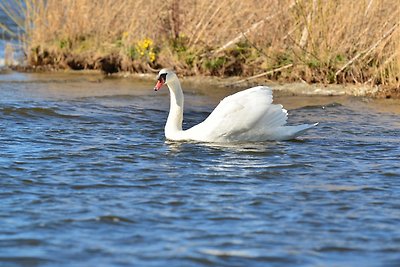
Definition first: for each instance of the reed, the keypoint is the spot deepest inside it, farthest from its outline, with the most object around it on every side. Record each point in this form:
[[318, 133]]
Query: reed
[[325, 41]]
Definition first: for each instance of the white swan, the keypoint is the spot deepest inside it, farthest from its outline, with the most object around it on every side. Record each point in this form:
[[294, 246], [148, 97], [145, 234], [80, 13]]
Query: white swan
[[248, 115]]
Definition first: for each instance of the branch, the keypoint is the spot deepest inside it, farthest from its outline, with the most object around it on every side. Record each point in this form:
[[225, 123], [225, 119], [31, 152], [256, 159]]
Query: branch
[[263, 74], [241, 35]]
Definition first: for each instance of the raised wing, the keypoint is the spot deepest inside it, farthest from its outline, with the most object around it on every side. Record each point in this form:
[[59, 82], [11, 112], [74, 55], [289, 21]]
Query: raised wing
[[249, 112]]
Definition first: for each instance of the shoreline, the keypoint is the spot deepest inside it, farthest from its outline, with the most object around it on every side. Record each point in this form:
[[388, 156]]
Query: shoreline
[[284, 88]]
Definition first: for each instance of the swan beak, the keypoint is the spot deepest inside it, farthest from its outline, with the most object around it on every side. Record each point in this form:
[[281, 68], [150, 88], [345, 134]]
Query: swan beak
[[159, 84]]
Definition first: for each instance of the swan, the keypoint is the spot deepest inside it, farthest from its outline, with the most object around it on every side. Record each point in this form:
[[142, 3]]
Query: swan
[[246, 116]]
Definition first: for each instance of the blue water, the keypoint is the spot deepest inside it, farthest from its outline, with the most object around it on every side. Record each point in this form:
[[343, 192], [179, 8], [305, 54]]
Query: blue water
[[87, 179]]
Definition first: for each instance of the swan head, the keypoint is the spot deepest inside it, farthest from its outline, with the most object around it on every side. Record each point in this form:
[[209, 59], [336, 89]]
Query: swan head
[[165, 76]]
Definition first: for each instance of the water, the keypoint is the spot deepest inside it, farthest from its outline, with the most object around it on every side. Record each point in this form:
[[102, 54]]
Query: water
[[87, 179]]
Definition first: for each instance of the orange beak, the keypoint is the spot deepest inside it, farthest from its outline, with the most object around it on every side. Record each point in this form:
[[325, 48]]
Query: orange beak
[[159, 84]]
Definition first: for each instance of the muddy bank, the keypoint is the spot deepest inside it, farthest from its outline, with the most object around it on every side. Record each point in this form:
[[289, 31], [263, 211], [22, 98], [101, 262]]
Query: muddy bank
[[289, 88], [235, 83], [290, 95]]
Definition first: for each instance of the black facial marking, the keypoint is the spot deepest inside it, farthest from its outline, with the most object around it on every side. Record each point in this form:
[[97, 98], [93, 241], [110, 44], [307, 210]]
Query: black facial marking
[[163, 77]]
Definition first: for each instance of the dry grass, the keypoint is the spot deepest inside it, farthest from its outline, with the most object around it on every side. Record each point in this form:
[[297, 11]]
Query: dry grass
[[328, 41]]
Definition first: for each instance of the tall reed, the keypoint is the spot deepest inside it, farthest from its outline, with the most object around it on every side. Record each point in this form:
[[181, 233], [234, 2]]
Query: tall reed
[[328, 41]]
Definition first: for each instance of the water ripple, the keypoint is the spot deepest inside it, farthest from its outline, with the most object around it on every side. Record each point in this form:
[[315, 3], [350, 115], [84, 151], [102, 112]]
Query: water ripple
[[34, 112]]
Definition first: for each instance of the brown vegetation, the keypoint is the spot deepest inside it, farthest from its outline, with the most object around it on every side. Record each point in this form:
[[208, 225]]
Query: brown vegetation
[[325, 41]]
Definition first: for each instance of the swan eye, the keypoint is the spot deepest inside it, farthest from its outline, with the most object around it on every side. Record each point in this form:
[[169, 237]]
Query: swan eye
[[163, 77]]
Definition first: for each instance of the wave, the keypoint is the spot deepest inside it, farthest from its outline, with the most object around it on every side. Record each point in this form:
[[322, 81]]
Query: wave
[[105, 218], [330, 105], [34, 112]]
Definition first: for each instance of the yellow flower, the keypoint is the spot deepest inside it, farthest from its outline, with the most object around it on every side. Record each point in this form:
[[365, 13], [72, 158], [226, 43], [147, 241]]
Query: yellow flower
[[145, 48], [152, 56]]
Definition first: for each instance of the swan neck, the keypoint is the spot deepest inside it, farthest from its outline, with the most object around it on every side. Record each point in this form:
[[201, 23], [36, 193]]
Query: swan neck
[[175, 117]]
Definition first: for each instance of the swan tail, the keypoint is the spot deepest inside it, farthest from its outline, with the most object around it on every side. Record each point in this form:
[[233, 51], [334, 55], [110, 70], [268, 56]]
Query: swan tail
[[303, 128], [291, 132]]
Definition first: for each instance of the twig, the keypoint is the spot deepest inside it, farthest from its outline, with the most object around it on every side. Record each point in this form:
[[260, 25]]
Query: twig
[[368, 7], [367, 51], [5, 29], [241, 35], [306, 29], [263, 74]]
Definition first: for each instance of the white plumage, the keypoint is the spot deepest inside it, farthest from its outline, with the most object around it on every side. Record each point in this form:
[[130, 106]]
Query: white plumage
[[246, 116]]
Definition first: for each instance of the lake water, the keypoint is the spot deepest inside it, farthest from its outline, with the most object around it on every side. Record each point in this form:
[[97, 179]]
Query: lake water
[[87, 179]]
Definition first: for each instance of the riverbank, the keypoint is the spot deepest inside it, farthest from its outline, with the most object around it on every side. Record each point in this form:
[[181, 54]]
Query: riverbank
[[236, 83]]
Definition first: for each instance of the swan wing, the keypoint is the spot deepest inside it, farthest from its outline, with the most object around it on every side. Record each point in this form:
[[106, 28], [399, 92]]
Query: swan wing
[[249, 113]]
